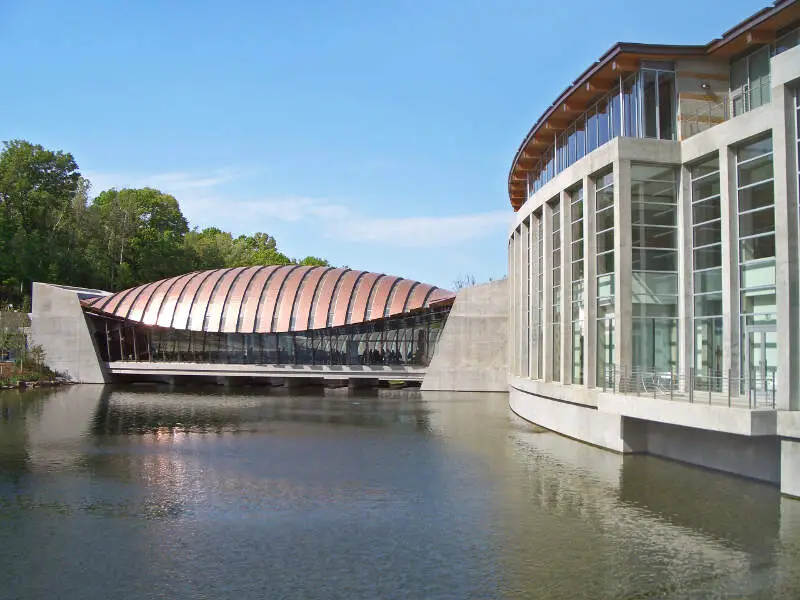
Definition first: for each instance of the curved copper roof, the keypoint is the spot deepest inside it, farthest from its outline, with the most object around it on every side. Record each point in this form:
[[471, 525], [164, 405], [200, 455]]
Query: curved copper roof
[[268, 299]]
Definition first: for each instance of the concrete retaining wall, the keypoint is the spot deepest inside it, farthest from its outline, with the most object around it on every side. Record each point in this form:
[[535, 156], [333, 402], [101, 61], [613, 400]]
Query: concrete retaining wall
[[59, 326], [472, 352]]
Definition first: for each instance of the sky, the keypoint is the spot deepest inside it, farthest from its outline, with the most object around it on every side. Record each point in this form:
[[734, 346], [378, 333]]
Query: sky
[[377, 134]]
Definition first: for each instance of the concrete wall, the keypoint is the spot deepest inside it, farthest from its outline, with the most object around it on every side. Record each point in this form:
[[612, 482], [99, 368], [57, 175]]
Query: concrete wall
[[574, 420], [59, 326], [472, 352], [754, 457]]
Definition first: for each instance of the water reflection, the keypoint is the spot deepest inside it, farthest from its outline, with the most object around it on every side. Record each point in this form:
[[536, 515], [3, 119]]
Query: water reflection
[[208, 493]]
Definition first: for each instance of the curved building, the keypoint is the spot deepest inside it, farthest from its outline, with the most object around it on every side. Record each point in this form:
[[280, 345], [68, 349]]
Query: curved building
[[268, 299], [654, 258]]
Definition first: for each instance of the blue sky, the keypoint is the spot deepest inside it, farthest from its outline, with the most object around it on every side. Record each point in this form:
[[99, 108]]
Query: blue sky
[[377, 134]]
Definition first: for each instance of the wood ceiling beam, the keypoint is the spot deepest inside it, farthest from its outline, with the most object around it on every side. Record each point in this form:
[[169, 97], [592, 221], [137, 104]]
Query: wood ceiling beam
[[760, 36]]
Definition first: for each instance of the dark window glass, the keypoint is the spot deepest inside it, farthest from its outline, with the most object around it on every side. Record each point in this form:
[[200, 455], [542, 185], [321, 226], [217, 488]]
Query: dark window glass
[[708, 233], [654, 260], [654, 237], [756, 248], [706, 210], [754, 223], [708, 257], [666, 105], [649, 103]]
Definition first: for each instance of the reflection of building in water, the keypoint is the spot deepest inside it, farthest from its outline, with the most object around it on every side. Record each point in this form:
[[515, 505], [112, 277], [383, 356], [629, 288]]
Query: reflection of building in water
[[146, 412], [558, 498]]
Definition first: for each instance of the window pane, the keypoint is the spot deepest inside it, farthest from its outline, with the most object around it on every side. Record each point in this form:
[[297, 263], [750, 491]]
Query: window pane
[[649, 93], [654, 260], [605, 219], [708, 281], [756, 196], [654, 284], [708, 233], [705, 258], [758, 275], [761, 221], [706, 210], [755, 149], [654, 237], [602, 122], [705, 188], [653, 214], [706, 167], [709, 305], [605, 241], [758, 169], [605, 264], [756, 248], [758, 302], [666, 104], [605, 288]]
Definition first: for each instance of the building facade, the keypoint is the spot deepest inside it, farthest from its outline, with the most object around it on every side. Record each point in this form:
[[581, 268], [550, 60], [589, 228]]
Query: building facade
[[654, 254]]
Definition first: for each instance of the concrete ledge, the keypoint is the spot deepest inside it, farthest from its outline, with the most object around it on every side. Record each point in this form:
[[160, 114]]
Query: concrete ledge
[[579, 422], [739, 421], [230, 370], [556, 391]]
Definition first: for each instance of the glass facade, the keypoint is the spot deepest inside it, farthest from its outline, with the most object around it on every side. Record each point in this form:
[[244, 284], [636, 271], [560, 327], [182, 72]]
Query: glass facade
[[707, 272], [658, 103], [750, 81], [604, 247], [576, 277], [643, 106], [404, 340], [555, 209], [654, 263], [756, 246]]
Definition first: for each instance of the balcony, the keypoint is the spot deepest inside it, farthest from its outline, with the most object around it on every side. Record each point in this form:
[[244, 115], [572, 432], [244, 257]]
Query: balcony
[[699, 115]]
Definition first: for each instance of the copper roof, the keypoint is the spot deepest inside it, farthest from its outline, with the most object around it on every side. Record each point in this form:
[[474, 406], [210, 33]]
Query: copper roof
[[623, 58], [268, 299]]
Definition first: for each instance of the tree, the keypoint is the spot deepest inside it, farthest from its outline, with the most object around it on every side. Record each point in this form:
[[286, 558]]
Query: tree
[[37, 191], [463, 281], [138, 236]]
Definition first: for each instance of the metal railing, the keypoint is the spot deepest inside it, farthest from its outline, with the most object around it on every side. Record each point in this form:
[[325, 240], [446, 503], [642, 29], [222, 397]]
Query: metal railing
[[697, 387]]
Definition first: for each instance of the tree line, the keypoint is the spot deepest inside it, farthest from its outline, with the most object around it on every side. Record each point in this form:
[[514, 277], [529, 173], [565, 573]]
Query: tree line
[[53, 230]]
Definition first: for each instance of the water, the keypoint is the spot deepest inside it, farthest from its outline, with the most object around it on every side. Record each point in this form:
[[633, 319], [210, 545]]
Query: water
[[150, 493]]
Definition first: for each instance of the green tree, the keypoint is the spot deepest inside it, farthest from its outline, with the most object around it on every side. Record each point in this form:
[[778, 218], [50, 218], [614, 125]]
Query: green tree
[[138, 236], [37, 191]]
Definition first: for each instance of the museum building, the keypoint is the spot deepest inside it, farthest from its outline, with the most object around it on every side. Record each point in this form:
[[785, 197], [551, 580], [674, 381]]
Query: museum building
[[654, 252]]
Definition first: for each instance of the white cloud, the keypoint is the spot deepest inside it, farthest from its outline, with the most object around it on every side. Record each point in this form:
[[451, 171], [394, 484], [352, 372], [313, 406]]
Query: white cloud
[[205, 203]]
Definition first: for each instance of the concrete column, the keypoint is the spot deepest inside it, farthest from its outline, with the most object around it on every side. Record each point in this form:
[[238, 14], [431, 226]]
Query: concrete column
[[532, 292], [786, 247], [730, 264], [511, 350], [590, 285], [623, 306], [547, 334], [685, 273], [524, 275], [566, 288]]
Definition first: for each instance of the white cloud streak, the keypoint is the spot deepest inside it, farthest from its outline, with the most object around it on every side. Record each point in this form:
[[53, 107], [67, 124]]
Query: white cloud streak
[[204, 202]]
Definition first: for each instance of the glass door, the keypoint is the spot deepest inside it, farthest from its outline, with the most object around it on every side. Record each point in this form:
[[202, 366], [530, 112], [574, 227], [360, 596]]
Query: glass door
[[761, 364]]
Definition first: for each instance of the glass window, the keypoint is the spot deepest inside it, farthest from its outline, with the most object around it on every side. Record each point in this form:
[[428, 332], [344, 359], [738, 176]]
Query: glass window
[[654, 263], [666, 105], [756, 232], [577, 271], [604, 203], [555, 353], [603, 122]]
